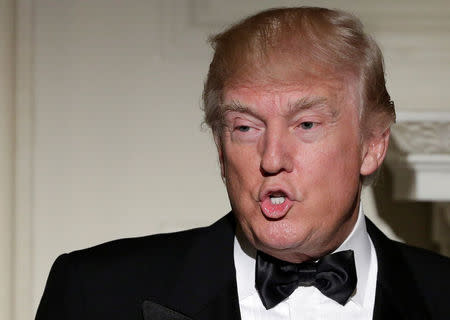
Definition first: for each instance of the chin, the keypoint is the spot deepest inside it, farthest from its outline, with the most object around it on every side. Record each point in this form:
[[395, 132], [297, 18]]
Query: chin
[[277, 236], [286, 250]]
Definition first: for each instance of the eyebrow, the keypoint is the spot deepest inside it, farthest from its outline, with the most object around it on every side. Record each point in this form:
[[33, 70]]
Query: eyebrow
[[236, 106], [309, 103], [302, 104]]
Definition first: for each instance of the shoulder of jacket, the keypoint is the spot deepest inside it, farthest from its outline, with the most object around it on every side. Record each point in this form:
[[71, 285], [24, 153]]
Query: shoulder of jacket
[[157, 246], [422, 258]]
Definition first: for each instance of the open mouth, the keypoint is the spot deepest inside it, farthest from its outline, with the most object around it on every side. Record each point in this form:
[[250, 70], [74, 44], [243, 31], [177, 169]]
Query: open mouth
[[277, 197], [275, 204]]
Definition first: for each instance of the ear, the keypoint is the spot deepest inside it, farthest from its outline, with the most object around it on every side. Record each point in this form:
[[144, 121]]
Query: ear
[[218, 143], [374, 151]]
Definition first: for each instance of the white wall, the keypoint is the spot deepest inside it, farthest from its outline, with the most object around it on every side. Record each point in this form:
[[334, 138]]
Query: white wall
[[109, 122]]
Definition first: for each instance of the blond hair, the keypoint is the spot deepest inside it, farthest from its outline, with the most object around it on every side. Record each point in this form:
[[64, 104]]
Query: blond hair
[[280, 44]]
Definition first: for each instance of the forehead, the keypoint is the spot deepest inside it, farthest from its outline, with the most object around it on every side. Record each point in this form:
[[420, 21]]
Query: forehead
[[287, 97]]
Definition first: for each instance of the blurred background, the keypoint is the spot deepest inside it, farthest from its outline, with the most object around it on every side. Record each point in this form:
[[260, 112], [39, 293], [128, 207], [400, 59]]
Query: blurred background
[[101, 132]]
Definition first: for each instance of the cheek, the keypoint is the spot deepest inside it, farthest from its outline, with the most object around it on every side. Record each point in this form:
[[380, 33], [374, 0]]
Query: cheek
[[237, 161], [333, 165], [241, 169]]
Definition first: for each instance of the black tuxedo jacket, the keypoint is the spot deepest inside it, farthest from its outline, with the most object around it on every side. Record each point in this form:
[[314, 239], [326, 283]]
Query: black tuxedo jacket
[[191, 275]]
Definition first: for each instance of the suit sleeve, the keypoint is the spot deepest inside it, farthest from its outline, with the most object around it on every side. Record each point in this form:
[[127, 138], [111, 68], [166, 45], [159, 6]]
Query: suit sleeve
[[62, 298]]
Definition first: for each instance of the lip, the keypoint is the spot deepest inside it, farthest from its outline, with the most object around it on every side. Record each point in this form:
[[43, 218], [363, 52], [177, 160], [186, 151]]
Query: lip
[[274, 211]]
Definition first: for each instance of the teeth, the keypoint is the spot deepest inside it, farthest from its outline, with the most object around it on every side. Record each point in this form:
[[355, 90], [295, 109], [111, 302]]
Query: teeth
[[277, 200]]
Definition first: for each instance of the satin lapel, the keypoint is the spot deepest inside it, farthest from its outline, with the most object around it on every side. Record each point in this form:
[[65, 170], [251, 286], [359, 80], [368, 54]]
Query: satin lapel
[[396, 297], [210, 275]]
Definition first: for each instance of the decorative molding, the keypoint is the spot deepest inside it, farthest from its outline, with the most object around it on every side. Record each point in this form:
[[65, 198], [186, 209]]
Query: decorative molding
[[419, 157], [422, 137]]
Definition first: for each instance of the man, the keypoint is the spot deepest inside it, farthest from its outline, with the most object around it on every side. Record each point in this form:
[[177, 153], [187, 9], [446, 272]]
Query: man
[[297, 103]]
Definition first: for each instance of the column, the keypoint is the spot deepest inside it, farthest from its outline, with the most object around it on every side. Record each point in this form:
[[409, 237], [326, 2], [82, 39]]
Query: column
[[7, 63]]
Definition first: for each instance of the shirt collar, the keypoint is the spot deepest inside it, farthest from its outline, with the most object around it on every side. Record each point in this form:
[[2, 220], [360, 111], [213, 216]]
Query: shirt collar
[[358, 241]]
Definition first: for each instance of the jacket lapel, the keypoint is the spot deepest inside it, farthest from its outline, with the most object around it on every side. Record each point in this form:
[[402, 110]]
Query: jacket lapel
[[206, 287], [396, 296]]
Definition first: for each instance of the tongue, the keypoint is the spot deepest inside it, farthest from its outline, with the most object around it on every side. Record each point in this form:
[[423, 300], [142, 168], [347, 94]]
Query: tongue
[[275, 211]]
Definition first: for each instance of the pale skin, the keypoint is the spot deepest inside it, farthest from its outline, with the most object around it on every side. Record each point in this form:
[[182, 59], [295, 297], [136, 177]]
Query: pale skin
[[306, 141]]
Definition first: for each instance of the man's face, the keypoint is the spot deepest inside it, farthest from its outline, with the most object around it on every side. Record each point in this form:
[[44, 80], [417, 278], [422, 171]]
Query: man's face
[[291, 156]]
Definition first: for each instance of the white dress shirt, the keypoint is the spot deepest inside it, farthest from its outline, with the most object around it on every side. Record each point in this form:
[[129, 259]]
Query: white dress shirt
[[308, 302]]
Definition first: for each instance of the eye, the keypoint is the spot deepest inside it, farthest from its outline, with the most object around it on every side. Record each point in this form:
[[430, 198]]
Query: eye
[[243, 128], [307, 125]]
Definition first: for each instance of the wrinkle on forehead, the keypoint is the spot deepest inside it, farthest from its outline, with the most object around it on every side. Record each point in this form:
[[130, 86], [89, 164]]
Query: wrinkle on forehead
[[290, 99], [319, 104]]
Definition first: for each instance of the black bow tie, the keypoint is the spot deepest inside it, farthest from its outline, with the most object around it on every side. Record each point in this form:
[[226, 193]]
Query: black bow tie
[[334, 275]]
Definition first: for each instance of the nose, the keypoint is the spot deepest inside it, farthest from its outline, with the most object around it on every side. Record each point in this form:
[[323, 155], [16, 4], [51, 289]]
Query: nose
[[277, 151]]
